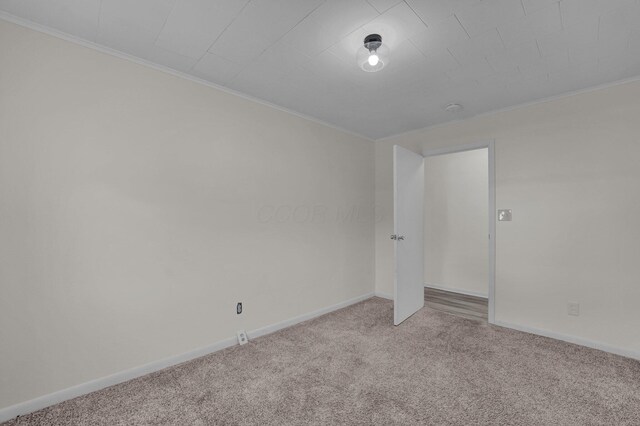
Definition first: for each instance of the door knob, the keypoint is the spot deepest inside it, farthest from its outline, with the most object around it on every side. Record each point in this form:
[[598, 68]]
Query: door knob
[[397, 237]]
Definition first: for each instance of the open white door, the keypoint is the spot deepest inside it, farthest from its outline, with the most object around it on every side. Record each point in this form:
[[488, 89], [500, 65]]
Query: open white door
[[408, 197]]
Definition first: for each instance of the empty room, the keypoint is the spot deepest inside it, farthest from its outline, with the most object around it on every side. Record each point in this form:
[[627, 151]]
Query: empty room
[[319, 212]]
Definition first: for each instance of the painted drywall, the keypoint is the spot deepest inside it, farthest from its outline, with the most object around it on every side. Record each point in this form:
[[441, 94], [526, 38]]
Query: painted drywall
[[137, 208], [456, 202], [570, 170]]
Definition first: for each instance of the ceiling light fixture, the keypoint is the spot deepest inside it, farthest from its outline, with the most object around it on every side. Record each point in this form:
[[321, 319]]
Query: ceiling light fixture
[[373, 56]]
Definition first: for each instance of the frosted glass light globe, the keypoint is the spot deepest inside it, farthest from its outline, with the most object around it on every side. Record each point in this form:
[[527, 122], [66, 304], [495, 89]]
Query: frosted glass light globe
[[373, 60]]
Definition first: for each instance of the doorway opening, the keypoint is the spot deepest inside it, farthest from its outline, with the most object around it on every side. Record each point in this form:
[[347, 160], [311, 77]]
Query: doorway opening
[[456, 229], [466, 267]]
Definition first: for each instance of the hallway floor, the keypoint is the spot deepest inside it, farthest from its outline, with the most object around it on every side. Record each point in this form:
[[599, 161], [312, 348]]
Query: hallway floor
[[462, 305]]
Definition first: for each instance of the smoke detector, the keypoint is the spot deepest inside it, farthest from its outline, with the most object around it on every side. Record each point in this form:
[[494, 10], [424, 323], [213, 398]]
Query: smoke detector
[[453, 108]]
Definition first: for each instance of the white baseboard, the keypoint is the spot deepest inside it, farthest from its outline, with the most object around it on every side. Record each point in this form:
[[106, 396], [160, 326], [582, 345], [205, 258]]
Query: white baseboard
[[455, 290], [572, 339], [113, 379], [383, 295], [288, 323], [44, 401]]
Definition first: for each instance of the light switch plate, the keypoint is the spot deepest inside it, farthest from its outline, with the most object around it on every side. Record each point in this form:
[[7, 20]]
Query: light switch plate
[[504, 215]]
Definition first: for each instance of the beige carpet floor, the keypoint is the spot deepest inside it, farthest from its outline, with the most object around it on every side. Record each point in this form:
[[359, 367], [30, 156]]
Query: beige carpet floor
[[353, 367]]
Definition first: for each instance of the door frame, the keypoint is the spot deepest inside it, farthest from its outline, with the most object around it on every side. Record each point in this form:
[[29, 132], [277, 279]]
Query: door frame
[[490, 145]]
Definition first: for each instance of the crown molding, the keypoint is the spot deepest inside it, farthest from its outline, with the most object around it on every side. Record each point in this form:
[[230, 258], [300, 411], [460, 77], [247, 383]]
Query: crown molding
[[112, 52], [118, 54], [515, 107]]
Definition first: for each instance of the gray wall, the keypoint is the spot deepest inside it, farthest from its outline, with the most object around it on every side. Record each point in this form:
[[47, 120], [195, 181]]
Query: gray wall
[[137, 208], [570, 170]]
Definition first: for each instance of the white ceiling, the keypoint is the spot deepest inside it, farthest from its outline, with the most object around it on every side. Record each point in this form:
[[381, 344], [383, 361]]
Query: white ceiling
[[301, 54]]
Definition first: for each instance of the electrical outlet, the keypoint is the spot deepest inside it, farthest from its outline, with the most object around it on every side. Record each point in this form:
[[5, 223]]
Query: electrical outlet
[[239, 308], [573, 308], [242, 337]]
